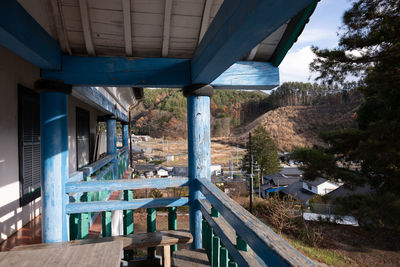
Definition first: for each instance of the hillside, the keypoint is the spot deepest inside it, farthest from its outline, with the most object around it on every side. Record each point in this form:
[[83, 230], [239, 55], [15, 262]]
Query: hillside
[[294, 114], [163, 112], [293, 126]]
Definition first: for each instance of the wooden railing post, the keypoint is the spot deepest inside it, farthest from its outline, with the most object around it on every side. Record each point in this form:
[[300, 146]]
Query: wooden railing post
[[199, 150], [112, 142], [224, 260], [106, 223], [172, 224], [151, 227], [216, 251]]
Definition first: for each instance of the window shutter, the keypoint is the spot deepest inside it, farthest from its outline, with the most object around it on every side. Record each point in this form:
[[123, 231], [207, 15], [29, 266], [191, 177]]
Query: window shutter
[[29, 143]]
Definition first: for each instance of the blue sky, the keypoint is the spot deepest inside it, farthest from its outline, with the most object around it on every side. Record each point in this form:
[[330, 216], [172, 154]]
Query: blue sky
[[320, 31]]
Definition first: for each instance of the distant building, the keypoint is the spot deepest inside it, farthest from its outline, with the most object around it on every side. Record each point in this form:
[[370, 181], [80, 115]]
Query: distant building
[[215, 169], [170, 158], [303, 191], [180, 171], [162, 172], [319, 186], [148, 170]]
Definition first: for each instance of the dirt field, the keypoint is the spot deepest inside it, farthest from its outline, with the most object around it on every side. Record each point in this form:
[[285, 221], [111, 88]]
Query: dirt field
[[220, 153]]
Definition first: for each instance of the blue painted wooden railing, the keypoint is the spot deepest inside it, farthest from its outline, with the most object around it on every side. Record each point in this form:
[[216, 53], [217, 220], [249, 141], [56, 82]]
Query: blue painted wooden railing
[[232, 236]]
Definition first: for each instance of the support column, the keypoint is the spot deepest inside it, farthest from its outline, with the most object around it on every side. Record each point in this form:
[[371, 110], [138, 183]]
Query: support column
[[125, 142], [111, 123], [54, 158], [199, 150]]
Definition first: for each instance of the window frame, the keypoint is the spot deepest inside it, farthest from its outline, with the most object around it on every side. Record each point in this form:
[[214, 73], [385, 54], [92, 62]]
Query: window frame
[[26, 198]]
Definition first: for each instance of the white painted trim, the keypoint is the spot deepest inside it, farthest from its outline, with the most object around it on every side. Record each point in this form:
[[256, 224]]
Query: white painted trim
[[60, 26], [167, 27], [87, 33], [205, 19], [126, 8]]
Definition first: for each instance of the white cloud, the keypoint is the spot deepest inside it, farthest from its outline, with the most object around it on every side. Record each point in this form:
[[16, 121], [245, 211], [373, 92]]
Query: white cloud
[[317, 34], [295, 66]]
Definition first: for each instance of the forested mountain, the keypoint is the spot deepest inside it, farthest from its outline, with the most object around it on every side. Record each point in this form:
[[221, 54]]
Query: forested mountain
[[163, 111]]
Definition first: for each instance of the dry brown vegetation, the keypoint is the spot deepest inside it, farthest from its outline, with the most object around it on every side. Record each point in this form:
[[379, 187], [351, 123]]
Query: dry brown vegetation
[[299, 126]]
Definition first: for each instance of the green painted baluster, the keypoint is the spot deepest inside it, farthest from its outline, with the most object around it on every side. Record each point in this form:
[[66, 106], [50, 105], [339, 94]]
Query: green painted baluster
[[216, 250], [214, 213], [151, 227], [128, 222], [172, 224], [224, 260], [232, 263], [83, 226], [83, 220], [210, 243], [241, 244], [106, 223], [203, 233], [73, 226]]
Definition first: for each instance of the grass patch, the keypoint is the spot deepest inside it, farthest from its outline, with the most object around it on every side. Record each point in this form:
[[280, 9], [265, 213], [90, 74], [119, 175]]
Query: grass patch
[[326, 256]]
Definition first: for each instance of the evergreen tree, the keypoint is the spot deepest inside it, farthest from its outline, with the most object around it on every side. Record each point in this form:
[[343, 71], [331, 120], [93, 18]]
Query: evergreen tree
[[265, 153], [368, 49]]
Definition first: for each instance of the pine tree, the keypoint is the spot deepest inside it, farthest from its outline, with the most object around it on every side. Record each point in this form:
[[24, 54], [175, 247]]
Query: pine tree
[[369, 49], [265, 153]]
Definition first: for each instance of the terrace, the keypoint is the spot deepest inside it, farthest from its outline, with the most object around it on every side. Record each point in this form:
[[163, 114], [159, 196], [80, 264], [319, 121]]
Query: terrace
[[100, 54]]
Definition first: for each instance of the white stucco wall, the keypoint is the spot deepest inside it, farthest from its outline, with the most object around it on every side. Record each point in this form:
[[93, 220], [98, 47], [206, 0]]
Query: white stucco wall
[[13, 70]]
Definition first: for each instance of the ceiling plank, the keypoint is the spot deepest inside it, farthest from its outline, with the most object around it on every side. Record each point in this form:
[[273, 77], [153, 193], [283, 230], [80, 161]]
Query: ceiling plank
[[126, 7], [253, 53], [60, 26], [205, 20], [167, 27], [87, 33], [236, 29]]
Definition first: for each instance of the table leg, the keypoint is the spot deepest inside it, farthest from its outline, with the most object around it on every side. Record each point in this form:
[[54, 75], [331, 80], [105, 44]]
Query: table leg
[[166, 256]]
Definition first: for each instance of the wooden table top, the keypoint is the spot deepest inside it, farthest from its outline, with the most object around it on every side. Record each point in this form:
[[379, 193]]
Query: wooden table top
[[95, 254]]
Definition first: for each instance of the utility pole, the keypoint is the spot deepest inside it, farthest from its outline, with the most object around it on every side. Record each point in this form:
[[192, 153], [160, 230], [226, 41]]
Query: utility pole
[[251, 174]]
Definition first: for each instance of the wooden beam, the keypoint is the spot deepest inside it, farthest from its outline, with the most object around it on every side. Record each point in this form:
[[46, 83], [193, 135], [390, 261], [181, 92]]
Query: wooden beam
[[248, 75], [87, 33], [237, 28], [125, 184], [60, 27], [111, 205], [21, 34], [167, 27], [157, 72], [119, 71], [253, 53], [126, 8], [205, 20]]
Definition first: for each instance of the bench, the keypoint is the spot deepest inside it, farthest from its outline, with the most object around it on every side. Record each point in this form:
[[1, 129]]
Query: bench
[[143, 240]]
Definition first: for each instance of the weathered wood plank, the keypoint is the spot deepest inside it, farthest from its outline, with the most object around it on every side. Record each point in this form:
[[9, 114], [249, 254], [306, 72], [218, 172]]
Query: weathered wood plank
[[167, 27], [86, 254], [60, 27], [125, 184], [267, 244], [90, 169], [87, 33], [126, 7], [193, 258], [141, 240], [205, 19], [110, 205]]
